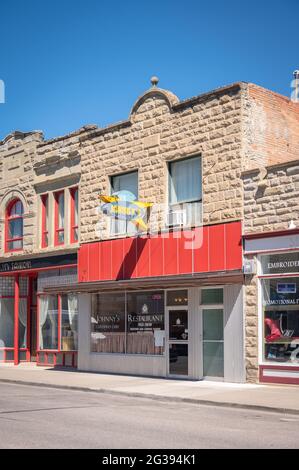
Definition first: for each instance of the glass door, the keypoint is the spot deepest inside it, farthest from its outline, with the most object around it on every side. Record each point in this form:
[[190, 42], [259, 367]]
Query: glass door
[[177, 341], [212, 332]]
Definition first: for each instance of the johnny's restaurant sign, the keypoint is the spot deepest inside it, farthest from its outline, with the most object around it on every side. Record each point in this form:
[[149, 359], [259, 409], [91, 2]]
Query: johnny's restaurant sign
[[38, 263]]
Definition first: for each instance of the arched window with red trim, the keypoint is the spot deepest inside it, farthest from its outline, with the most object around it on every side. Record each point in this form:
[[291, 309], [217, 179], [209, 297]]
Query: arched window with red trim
[[14, 226]]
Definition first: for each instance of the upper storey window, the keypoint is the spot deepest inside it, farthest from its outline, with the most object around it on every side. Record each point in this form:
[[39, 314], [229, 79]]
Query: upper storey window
[[124, 182], [14, 225], [59, 218], [185, 192], [74, 193]]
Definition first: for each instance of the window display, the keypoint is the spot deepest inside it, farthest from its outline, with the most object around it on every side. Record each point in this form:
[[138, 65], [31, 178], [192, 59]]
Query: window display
[[108, 323], [69, 322], [130, 323], [48, 322], [281, 319]]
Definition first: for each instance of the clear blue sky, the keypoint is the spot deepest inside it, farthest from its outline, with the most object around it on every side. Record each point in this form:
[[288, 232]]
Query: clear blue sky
[[67, 63]]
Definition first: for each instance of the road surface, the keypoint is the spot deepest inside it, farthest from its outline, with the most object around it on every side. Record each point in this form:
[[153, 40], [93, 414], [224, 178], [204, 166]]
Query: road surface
[[37, 417]]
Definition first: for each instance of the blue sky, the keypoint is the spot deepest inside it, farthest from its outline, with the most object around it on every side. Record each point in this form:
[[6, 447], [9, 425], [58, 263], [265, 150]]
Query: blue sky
[[66, 63]]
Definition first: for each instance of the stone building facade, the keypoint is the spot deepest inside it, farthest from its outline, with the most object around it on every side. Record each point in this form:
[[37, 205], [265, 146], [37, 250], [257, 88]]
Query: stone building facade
[[270, 227], [246, 139]]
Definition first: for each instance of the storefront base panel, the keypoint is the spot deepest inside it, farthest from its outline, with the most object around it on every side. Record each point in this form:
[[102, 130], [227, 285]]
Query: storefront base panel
[[279, 375], [53, 358], [123, 364]]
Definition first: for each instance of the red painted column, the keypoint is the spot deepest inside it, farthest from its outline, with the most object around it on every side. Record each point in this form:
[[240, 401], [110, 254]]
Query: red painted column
[[16, 320]]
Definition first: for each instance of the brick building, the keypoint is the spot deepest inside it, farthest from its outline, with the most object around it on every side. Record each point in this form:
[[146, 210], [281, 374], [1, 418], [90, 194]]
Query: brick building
[[167, 298]]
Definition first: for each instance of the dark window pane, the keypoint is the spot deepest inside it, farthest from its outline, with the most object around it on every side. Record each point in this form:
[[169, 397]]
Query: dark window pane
[[108, 323], [178, 359], [145, 323], [178, 325], [177, 297], [15, 228], [212, 296]]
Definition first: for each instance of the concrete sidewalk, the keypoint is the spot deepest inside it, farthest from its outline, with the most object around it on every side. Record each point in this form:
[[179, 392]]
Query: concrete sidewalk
[[277, 398]]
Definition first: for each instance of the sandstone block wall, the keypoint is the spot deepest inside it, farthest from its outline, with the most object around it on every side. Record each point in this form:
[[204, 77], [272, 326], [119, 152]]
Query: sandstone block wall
[[161, 129]]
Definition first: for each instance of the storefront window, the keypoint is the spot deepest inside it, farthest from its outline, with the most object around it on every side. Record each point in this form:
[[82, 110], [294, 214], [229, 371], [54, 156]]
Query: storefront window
[[69, 322], [48, 322], [6, 323], [284, 263], [7, 302], [108, 323], [145, 323], [281, 319], [132, 323], [23, 323]]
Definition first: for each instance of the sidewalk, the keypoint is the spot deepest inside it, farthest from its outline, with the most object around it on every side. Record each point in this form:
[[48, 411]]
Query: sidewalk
[[278, 398]]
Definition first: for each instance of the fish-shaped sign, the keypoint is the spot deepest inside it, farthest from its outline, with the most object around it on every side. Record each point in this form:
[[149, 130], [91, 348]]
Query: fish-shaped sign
[[123, 205]]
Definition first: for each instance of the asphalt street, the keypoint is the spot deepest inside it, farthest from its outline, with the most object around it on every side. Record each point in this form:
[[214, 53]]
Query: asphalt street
[[37, 417]]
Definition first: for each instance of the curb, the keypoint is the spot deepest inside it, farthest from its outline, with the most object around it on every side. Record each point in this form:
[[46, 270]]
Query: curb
[[163, 398]]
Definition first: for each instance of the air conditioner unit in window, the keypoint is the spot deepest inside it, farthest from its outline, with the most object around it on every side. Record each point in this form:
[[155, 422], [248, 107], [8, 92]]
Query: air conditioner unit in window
[[177, 217]]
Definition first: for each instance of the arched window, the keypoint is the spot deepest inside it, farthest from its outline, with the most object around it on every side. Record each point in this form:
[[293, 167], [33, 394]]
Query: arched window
[[14, 225]]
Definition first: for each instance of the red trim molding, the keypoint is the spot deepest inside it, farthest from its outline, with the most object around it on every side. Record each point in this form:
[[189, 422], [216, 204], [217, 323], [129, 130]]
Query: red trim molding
[[273, 379]]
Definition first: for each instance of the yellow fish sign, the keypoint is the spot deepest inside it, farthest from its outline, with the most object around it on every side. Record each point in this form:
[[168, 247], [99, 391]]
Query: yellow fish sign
[[123, 205]]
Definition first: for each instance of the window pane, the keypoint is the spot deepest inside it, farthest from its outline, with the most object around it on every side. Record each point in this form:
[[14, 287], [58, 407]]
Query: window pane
[[145, 323], [108, 323], [61, 237], [185, 180], [280, 263], [213, 362], [178, 359], [213, 324], [48, 322], [15, 228], [126, 182], [17, 209], [6, 323], [281, 319], [16, 245], [178, 325], [69, 322], [177, 297], [61, 210], [23, 323], [212, 296], [76, 206]]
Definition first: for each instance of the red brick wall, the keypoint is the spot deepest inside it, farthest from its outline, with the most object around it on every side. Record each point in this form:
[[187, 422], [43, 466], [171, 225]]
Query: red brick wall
[[274, 126]]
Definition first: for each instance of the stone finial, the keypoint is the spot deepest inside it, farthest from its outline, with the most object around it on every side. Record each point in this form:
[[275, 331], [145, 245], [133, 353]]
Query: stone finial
[[154, 81]]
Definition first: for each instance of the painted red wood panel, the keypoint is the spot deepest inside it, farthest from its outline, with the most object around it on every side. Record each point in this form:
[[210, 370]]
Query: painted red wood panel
[[233, 246], [143, 257], [203, 249], [185, 251], [156, 263], [117, 259], [130, 256], [216, 247], [94, 261], [83, 263], [105, 257], [170, 250]]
